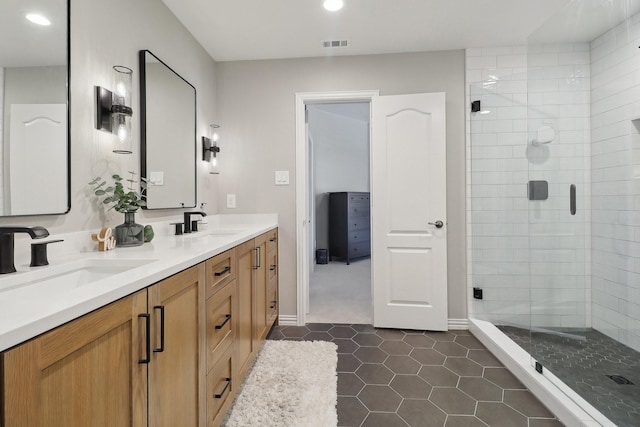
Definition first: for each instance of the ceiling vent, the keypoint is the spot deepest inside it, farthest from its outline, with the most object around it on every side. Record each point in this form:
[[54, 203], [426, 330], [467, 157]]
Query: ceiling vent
[[335, 43]]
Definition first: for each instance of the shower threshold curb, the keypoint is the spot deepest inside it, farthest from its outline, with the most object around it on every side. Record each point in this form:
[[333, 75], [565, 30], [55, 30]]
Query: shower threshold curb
[[570, 408]]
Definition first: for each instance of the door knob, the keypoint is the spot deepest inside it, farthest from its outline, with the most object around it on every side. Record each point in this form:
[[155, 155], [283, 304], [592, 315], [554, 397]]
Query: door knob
[[438, 224]]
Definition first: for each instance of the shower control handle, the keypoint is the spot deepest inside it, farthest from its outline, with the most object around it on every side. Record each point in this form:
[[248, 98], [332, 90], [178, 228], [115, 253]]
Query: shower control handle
[[438, 224]]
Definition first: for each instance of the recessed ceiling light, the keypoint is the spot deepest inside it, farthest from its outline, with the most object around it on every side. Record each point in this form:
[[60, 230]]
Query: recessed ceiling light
[[333, 5], [38, 19]]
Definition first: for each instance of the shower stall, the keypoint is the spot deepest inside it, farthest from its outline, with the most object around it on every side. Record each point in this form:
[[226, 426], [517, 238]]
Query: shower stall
[[554, 202]]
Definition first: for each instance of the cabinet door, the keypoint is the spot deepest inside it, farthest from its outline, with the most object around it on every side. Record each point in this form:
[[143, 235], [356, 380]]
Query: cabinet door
[[176, 305], [246, 255], [261, 290], [84, 373]]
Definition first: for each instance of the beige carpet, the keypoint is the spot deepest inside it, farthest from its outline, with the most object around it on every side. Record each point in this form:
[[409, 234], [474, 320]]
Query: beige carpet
[[292, 384], [341, 293]]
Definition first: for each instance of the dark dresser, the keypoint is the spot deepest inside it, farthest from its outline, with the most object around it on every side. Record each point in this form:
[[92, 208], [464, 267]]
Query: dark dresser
[[349, 225]]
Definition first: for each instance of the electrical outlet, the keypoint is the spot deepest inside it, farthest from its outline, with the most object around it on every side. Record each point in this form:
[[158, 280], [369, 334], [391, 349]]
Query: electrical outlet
[[282, 177], [231, 201]]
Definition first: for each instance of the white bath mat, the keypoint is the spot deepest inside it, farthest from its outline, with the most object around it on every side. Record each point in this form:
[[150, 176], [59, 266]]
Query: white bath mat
[[292, 384]]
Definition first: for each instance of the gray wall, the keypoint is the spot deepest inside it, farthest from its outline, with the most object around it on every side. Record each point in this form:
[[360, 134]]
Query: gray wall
[[145, 24], [256, 105], [340, 161]]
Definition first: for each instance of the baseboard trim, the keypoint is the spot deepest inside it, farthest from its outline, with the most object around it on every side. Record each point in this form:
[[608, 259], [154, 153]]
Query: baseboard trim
[[288, 320], [459, 324]]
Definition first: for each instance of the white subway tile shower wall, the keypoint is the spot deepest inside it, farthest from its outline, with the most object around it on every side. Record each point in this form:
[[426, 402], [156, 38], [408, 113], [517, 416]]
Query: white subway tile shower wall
[[615, 95], [528, 254]]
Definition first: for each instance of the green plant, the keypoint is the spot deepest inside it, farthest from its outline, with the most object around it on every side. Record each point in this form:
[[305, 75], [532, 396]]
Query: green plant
[[123, 200]]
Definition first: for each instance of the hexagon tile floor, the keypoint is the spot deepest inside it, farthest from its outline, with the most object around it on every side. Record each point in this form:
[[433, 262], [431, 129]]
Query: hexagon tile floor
[[389, 378]]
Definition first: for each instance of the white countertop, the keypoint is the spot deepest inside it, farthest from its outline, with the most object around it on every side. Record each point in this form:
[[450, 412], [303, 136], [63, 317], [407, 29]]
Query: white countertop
[[33, 302]]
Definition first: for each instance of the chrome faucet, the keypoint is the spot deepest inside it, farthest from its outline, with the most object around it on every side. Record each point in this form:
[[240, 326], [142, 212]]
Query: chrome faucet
[[187, 221], [7, 244]]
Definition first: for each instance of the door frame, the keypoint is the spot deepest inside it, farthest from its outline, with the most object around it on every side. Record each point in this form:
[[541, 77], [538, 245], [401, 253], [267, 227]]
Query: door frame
[[303, 196]]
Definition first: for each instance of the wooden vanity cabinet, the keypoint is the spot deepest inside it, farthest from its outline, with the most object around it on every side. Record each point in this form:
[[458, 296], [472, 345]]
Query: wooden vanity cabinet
[[134, 362]]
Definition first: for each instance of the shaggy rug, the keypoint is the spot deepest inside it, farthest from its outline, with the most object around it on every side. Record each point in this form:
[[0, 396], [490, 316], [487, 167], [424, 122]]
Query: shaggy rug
[[292, 384]]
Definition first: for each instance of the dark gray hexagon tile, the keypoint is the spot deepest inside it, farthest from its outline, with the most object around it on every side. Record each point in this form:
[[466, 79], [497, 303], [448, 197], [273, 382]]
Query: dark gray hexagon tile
[[452, 401], [420, 341], [484, 357], [380, 398], [345, 345], [348, 363], [349, 384], [525, 402], [480, 389], [463, 366], [275, 334], [470, 342], [421, 413], [294, 331], [390, 334], [369, 340], [351, 412], [411, 387], [342, 332], [370, 355], [428, 356], [463, 421], [503, 378], [319, 327], [377, 419], [440, 336], [396, 347], [544, 422], [373, 373], [500, 415], [402, 365], [451, 349], [317, 336], [367, 329], [439, 376]]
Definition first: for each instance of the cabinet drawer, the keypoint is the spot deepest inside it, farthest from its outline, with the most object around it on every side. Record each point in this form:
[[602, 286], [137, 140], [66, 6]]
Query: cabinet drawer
[[359, 249], [359, 197], [220, 270], [272, 240], [220, 322], [272, 265], [357, 210], [359, 236], [272, 302], [361, 223], [221, 389]]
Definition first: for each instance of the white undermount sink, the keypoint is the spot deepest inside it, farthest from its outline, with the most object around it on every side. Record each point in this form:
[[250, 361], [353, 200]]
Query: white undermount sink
[[70, 275]]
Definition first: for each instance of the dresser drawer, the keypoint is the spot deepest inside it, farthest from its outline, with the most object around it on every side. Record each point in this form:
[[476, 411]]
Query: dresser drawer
[[361, 223], [359, 198], [359, 236], [221, 388], [359, 249], [358, 210], [220, 270], [220, 322]]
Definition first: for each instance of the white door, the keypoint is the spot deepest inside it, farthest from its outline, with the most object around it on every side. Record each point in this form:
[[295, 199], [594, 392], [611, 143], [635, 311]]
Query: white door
[[38, 138], [408, 212]]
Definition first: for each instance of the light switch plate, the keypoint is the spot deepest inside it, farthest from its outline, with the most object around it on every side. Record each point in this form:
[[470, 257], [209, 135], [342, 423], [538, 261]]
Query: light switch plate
[[156, 178], [231, 201], [282, 177]]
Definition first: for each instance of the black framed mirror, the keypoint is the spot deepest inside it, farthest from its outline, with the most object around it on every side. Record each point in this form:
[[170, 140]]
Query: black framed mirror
[[168, 134], [34, 101]]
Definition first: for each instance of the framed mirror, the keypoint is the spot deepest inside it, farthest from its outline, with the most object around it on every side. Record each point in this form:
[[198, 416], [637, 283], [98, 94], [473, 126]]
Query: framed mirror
[[34, 107], [168, 133]]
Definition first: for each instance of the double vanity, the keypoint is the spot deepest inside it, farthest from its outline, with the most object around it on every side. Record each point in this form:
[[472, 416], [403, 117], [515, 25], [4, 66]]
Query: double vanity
[[161, 334]]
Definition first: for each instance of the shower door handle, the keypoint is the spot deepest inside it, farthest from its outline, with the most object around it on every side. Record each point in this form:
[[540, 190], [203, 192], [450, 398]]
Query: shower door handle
[[572, 199]]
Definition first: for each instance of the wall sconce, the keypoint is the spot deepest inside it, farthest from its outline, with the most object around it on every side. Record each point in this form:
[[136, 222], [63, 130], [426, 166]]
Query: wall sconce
[[210, 149], [113, 111]]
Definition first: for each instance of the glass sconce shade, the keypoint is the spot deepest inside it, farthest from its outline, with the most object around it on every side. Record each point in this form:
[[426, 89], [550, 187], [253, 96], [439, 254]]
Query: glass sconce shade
[[211, 150], [113, 109]]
